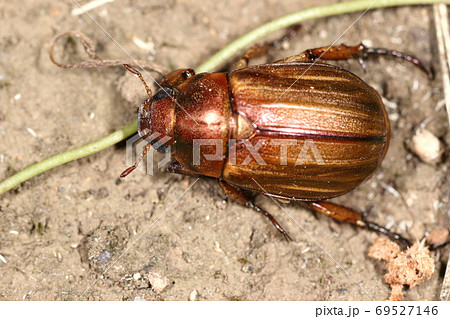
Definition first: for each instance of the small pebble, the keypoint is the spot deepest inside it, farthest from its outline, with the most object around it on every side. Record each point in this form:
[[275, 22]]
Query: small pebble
[[158, 281], [438, 237], [193, 295], [217, 248], [426, 146], [104, 257]]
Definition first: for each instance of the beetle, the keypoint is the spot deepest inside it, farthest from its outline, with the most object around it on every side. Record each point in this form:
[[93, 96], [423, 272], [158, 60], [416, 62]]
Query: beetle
[[269, 113]]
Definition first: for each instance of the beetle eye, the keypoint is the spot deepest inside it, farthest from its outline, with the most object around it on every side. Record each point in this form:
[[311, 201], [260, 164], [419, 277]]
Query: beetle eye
[[187, 74]]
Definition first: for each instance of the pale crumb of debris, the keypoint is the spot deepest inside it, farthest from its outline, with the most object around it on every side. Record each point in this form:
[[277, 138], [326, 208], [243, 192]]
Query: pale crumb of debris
[[14, 232], [31, 131], [27, 294], [89, 6], [148, 45], [323, 34], [193, 295], [137, 276], [2, 258], [426, 146], [389, 104], [439, 105], [415, 86], [438, 237], [368, 43], [304, 251], [393, 117], [158, 281], [409, 267], [405, 225], [390, 189], [18, 96], [396, 293], [217, 248]]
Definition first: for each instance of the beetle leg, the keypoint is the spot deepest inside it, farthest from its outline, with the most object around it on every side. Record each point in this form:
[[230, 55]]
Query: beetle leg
[[351, 216], [242, 198], [260, 49], [133, 167], [254, 52], [344, 52], [177, 168]]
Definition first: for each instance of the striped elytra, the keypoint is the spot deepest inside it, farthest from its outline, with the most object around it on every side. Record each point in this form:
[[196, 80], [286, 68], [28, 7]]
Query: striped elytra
[[340, 117]]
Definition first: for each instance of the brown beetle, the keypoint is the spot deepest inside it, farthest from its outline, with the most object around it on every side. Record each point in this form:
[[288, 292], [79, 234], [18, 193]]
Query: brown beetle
[[266, 121]]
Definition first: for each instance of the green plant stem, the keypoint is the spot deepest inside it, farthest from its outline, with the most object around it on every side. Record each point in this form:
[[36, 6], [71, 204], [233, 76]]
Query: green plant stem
[[291, 19], [68, 156], [214, 62]]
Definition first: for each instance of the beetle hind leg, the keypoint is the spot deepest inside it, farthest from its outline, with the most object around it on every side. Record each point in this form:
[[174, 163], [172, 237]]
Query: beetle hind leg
[[345, 52], [351, 216], [258, 50], [242, 198]]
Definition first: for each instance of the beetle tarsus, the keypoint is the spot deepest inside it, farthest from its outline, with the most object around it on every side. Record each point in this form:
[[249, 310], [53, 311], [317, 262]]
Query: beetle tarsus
[[271, 218], [348, 215], [381, 51], [244, 199], [384, 231]]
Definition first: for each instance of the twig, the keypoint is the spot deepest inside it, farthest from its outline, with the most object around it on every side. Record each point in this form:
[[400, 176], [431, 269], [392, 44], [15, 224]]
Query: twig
[[443, 38]]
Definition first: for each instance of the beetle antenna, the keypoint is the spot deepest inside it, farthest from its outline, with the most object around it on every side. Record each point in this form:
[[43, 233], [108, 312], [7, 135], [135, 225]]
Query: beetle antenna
[[132, 168], [136, 72]]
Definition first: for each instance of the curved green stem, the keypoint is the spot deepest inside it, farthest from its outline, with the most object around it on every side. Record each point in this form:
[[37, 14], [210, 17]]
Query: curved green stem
[[214, 62], [68, 156], [300, 16]]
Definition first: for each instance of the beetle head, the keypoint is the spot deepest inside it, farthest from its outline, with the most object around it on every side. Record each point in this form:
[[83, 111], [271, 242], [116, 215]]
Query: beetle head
[[157, 113]]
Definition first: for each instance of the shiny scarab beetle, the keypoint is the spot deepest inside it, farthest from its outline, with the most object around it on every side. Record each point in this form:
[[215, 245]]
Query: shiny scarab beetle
[[294, 129]]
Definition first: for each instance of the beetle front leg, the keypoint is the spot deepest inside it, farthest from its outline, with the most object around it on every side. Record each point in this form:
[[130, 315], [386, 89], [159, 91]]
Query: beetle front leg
[[344, 52], [351, 216], [242, 198]]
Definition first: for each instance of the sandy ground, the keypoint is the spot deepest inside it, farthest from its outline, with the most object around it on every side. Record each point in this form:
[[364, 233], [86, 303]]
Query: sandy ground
[[62, 233]]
